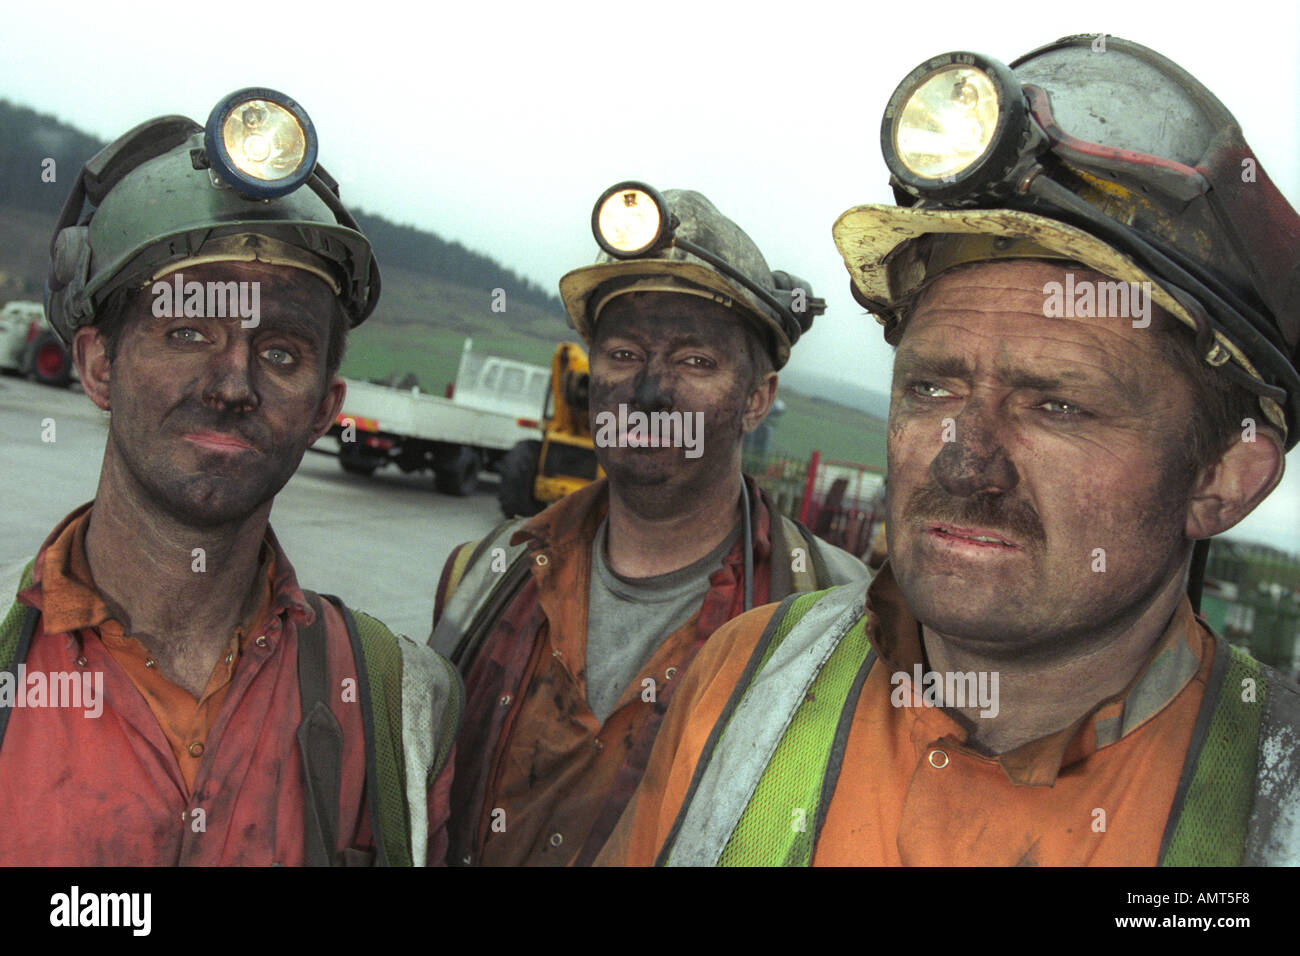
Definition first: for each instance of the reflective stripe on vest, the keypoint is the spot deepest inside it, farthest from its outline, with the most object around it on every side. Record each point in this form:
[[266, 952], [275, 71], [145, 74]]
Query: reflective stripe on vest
[[785, 814], [808, 630]]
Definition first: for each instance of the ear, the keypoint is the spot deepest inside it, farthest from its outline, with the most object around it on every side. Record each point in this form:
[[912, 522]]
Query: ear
[[1230, 489], [91, 355], [328, 409], [760, 402]]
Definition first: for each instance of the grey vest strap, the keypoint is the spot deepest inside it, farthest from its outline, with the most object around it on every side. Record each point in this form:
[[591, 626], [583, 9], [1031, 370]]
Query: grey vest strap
[[1273, 831], [320, 741], [464, 609], [432, 695], [757, 726]]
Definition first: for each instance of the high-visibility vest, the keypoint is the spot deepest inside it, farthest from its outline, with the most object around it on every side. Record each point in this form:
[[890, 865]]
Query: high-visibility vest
[[763, 785], [411, 705]]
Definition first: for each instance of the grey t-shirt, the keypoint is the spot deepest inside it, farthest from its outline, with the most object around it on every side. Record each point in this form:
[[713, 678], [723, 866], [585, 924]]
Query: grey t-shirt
[[628, 618]]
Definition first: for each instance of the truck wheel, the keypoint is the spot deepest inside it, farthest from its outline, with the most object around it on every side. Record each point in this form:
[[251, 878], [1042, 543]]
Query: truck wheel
[[353, 461], [459, 474], [49, 362], [518, 471]]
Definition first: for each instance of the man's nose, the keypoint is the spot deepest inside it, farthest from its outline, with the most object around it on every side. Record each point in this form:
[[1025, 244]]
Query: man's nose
[[651, 391], [976, 460], [230, 377]]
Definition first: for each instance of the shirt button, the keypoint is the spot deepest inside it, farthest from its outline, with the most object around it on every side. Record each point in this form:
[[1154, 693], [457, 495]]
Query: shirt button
[[938, 759], [196, 749], [81, 661], [542, 560], [556, 839], [505, 700], [150, 662], [261, 641]]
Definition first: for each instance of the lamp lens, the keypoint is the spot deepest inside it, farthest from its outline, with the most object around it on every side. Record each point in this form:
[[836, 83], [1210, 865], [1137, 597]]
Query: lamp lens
[[630, 220], [948, 122], [264, 140]]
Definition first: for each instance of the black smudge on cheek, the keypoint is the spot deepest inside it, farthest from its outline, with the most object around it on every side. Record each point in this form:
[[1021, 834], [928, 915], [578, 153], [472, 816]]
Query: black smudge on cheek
[[604, 395]]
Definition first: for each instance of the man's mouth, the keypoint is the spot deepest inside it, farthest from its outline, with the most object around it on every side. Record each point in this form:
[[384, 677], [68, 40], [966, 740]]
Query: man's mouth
[[218, 441], [639, 440], [977, 536]]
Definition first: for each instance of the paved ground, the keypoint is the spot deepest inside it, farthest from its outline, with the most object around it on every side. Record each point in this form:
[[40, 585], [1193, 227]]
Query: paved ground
[[378, 543]]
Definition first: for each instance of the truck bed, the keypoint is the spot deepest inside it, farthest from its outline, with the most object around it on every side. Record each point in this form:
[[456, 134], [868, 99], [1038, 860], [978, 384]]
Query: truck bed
[[414, 414]]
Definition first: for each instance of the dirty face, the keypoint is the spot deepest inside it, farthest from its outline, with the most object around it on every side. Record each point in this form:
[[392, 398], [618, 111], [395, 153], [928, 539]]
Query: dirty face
[[663, 352], [1035, 487], [210, 419]]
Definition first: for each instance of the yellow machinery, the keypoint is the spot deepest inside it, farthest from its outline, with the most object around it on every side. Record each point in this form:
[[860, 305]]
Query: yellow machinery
[[536, 473]]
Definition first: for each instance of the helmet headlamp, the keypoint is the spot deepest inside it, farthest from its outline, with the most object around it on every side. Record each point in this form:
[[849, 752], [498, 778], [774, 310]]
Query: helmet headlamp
[[957, 126], [261, 143], [632, 220]]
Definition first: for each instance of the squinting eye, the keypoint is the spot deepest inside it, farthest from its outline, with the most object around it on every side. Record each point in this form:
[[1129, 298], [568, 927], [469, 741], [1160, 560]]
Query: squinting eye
[[1061, 408], [186, 335], [699, 361], [928, 389], [278, 357]]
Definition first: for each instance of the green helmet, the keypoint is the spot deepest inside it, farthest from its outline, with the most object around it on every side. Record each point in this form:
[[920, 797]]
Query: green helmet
[[167, 194]]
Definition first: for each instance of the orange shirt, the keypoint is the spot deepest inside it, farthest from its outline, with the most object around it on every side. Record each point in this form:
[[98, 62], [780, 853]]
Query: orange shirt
[[73, 603], [911, 793]]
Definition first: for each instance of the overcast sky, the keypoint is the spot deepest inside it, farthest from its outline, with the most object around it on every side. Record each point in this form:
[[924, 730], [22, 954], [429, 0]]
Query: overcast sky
[[499, 124]]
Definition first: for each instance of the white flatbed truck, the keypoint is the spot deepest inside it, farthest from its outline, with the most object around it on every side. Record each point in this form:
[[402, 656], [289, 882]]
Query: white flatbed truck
[[495, 404]]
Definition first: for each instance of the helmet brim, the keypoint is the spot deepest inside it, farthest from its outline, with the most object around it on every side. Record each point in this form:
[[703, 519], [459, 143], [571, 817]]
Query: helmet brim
[[870, 239], [579, 287]]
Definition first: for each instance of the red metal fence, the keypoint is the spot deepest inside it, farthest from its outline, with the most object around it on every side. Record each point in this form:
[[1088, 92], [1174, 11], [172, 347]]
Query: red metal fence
[[842, 502]]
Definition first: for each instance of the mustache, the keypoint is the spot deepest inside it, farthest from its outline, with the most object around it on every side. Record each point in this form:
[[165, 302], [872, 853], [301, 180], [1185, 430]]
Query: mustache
[[1013, 518]]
